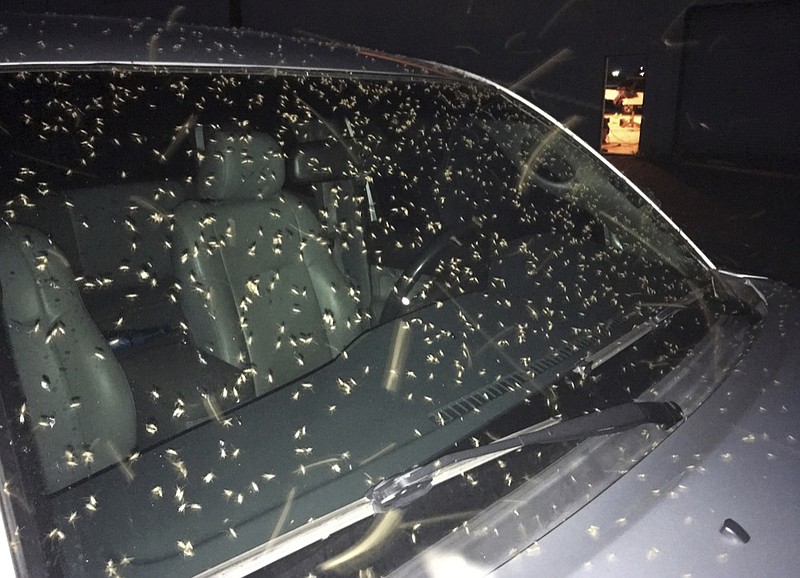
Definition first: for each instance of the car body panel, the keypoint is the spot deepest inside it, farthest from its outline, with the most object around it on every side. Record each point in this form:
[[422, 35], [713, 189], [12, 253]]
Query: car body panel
[[735, 458]]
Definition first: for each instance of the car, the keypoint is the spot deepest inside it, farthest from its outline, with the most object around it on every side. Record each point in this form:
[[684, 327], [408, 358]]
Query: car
[[282, 306]]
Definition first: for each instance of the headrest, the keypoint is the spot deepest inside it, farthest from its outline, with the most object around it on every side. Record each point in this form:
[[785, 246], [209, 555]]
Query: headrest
[[241, 165]]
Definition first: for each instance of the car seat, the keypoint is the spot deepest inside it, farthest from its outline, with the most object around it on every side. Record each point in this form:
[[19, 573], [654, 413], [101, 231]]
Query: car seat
[[75, 397], [259, 286]]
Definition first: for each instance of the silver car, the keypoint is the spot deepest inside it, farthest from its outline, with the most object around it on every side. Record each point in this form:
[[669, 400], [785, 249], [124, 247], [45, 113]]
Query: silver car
[[282, 307]]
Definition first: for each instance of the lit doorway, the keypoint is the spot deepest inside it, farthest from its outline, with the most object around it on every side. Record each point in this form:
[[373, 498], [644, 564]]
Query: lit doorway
[[623, 99]]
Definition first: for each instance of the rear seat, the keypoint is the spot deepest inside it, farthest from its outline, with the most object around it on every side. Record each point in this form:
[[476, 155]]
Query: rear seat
[[116, 239], [122, 234]]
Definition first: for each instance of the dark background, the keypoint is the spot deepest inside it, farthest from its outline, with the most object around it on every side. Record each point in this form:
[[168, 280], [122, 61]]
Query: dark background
[[720, 136]]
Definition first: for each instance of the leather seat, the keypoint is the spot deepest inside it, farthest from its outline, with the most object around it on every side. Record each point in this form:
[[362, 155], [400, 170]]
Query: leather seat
[[259, 286], [77, 400], [330, 168]]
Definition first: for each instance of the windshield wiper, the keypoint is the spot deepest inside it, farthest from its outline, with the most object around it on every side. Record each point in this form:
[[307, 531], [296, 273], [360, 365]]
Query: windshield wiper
[[402, 489]]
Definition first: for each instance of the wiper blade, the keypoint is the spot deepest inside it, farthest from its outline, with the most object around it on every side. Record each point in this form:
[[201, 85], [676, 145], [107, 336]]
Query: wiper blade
[[599, 357], [402, 489]]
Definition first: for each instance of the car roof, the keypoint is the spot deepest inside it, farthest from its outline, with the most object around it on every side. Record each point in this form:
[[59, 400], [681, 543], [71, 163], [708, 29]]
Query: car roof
[[28, 41]]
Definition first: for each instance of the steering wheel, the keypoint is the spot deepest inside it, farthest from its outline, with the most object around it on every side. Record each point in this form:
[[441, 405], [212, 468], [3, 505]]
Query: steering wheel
[[398, 299]]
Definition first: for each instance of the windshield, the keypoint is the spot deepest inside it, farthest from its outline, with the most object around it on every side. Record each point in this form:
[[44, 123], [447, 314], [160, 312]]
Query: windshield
[[232, 303]]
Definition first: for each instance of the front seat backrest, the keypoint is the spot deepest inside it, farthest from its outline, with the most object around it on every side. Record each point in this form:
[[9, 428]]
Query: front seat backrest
[[259, 287], [77, 399], [332, 169]]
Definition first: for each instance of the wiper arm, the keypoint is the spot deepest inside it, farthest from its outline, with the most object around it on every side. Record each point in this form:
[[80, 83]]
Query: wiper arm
[[402, 489]]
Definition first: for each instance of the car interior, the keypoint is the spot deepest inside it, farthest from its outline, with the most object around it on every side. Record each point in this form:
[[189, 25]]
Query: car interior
[[186, 301], [278, 248]]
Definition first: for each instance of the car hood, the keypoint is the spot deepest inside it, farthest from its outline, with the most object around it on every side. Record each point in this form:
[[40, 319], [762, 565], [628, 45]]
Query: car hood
[[735, 458]]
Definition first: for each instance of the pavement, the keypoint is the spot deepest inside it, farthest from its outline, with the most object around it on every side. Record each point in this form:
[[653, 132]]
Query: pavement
[[746, 221]]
